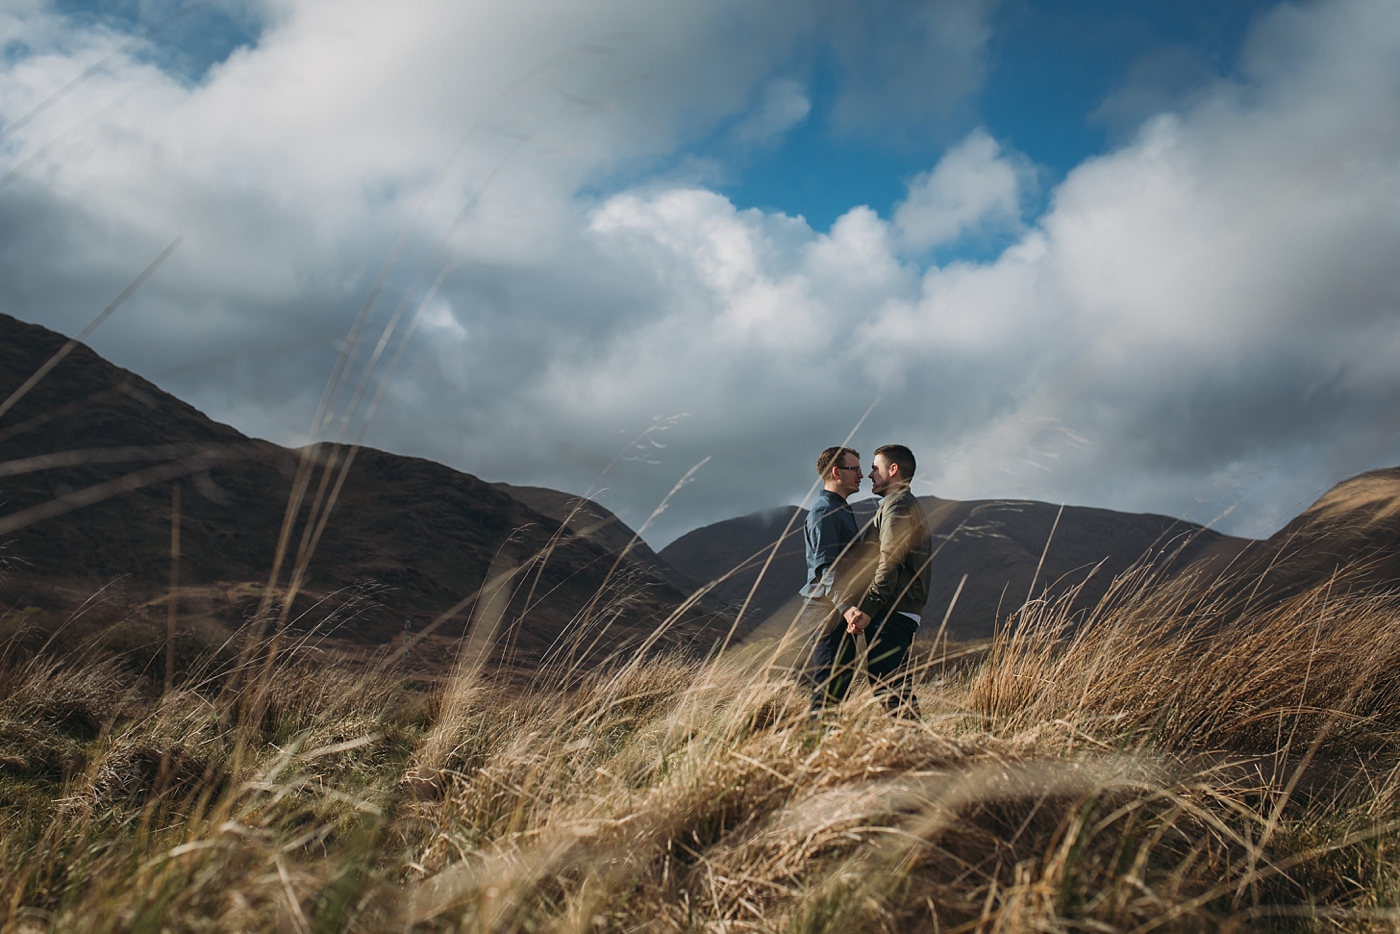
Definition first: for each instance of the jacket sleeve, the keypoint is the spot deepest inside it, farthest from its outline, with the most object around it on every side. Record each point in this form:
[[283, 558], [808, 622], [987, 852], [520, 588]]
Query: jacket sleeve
[[895, 537]]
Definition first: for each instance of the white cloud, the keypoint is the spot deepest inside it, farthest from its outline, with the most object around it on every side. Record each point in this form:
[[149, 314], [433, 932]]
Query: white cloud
[[441, 323], [1208, 310], [974, 190], [782, 105]]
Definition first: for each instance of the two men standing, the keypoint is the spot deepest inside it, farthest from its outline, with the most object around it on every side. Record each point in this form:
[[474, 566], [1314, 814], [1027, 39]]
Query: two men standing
[[875, 584]]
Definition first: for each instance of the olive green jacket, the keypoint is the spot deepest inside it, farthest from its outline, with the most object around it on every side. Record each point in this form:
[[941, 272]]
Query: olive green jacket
[[902, 574]]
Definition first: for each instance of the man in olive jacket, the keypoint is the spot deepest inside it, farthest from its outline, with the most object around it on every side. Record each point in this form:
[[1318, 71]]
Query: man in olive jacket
[[889, 613]]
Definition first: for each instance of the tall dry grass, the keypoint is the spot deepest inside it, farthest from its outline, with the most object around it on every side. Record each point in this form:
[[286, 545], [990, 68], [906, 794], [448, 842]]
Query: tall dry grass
[[1155, 766]]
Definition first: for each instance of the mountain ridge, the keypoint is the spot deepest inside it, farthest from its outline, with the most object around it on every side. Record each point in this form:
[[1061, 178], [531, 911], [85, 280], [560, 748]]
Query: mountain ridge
[[997, 543], [428, 533]]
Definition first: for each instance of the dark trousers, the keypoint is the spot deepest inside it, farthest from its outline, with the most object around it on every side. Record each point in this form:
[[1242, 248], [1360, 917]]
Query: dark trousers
[[835, 654]]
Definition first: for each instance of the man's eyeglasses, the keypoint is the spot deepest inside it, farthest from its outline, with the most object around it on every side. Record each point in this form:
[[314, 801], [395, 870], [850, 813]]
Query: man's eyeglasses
[[856, 467]]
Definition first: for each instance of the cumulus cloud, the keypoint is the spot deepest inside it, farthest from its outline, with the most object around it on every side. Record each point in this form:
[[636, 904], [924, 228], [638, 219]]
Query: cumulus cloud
[[975, 189], [1204, 316]]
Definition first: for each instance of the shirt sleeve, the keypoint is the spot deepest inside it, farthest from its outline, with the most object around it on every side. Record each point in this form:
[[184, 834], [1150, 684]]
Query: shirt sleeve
[[829, 536]]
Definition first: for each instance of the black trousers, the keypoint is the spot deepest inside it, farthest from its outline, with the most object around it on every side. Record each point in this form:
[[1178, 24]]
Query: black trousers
[[835, 655]]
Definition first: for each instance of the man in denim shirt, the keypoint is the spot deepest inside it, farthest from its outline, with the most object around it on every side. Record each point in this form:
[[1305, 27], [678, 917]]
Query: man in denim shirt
[[831, 532]]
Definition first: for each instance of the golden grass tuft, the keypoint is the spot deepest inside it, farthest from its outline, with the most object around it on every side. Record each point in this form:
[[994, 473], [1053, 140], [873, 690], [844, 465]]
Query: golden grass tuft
[[1154, 765], [1371, 498]]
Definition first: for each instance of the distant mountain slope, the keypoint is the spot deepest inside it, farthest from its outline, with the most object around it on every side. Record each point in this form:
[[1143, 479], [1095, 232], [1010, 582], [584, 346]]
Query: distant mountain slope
[[1349, 538], [996, 543], [598, 524], [739, 548], [429, 532]]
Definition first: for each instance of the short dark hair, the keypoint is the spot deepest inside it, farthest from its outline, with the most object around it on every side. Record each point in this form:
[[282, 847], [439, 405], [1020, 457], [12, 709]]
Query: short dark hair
[[900, 456], [826, 459]]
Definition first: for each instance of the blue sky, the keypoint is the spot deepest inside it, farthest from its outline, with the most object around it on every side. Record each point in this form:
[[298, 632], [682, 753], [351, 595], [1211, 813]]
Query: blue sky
[[1051, 69], [1131, 255], [1064, 80], [185, 39]]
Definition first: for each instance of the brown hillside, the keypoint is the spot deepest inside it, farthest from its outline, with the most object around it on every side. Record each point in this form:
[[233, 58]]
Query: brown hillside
[[996, 543], [425, 531], [598, 524], [1349, 538]]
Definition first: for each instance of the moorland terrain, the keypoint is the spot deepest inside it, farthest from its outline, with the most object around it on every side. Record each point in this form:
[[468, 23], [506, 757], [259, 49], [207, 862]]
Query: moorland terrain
[[990, 556], [91, 454], [1171, 730], [408, 539]]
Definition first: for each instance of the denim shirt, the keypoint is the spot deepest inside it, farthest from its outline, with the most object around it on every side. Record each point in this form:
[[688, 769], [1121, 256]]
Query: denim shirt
[[831, 526]]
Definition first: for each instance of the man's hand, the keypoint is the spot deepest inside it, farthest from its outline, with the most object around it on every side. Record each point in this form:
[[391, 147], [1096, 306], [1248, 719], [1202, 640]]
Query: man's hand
[[856, 621]]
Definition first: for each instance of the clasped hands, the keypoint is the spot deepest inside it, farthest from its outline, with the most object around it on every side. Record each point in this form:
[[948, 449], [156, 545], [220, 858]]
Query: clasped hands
[[856, 621]]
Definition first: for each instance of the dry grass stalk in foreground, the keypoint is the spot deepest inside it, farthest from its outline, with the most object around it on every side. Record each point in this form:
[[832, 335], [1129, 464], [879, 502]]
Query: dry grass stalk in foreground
[[1144, 774]]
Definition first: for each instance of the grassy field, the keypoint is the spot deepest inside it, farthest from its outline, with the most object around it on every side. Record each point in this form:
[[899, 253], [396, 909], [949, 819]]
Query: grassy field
[[1161, 766]]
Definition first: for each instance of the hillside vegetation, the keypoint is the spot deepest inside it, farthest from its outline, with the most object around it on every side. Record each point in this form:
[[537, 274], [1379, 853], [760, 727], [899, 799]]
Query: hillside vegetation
[[1167, 767], [986, 553], [89, 455]]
